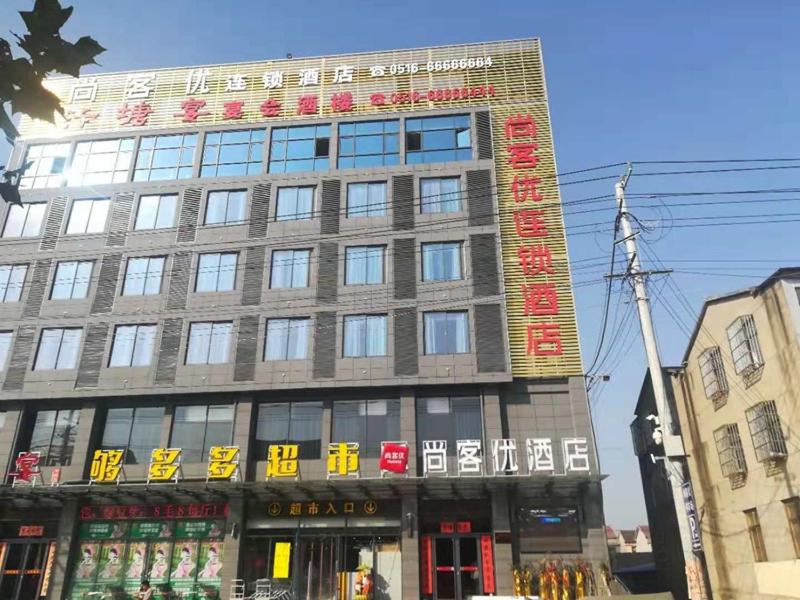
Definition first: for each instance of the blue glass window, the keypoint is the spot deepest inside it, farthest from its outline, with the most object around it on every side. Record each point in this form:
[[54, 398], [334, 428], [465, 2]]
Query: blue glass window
[[304, 148], [228, 153], [165, 157], [438, 139], [369, 144]]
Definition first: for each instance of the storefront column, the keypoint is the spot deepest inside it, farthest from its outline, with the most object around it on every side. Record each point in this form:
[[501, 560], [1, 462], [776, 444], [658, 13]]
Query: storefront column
[[62, 567], [492, 418], [233, 537], [409, 546], [408, 427], [503, 557]]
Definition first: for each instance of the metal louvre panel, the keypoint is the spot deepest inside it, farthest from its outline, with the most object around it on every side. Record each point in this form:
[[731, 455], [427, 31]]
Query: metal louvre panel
[[106, 284], [167, 362], [324, 363], [92, 355], [246, 345], [483, 256], [331, 205], [179, 280], [253, 275], [479, 198], [52, 227], [483, 131], [489, 338], [406, 352], [405, 268], [259, 211], [120, 219], [328, 273], [403, 202], [187, 225], [20, 355], [41, 274]]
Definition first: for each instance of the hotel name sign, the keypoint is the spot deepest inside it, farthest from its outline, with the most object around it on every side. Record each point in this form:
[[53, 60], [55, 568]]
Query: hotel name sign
[[506, 78]]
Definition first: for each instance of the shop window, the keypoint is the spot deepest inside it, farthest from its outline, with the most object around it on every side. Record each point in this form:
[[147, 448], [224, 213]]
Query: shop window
[[88, 216], [156, 212], [369, 144], [756, 535], [12, 278], [287, 339], [101, 161], [368, 422], [446, 332], [143, 276], [438, 139], [5, 347], [303, 148], [289, 269], [72, 280], [138, 430], [209, 343], [364, 265], [49, 162], [196, 429], [549, 530], [295, 203], [449, 418], [53, 436], [229, 153], [24, 220], [226, 207], [366, 199], [364, 335], [216, 272], [440, 195], [58, 348], [164, 157], [290, 423], [133, 345], [441, 261]]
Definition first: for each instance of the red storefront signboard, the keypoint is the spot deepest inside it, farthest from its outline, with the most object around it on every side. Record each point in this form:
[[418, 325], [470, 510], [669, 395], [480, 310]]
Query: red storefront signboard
[[487, 564], [394, 457], [154, 511], [426, 562]]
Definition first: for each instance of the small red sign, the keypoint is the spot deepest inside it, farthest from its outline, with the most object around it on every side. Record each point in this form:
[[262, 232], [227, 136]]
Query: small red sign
[[394, 458], [487, 564], [464, 526], [55, 476], [31, 530], [447, 527], [426, 550]]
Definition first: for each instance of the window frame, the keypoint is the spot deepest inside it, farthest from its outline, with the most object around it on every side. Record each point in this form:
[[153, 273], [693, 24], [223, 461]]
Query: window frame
[[293, 263], [285, 350], [745, 326], [117, 175], [791, 507], [11, 282], [304, 452], [157, 213], [345, 137], [367, 318], [369, 208], [460, 254], [283, 135], [26, 206], [149, 259], [393, 408], [178, 167], [368, 251], [241, 193], [433, 155], [297, 214], [31, 174], [6, 344], [131, 426], [218, 145], [86, 230], [219, 269], [420, 410], [425, 328], [204, 454], [47, 457], [130, 364], [74, 282], [60, 347], [756, 535], [211, 334]]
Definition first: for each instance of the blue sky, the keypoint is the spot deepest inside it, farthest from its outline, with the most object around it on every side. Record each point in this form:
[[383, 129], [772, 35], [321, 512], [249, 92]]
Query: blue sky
[[628, 80]]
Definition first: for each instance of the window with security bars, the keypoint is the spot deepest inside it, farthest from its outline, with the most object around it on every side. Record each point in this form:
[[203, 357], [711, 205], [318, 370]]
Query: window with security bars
[[792, 508], [712, 372], [745, 349], [730, 451], [765, 429], [756, 535]]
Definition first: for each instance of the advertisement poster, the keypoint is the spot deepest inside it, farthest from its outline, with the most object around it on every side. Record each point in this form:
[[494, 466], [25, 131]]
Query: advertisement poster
[[199, 529], [280, 564], [158, 570], [103, 530], [135, 566], [184, 565], [210, 563], [86, 569], [111, 559], [145, 530]]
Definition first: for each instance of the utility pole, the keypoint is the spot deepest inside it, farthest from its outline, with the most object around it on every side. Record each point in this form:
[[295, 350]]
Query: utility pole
[[674, 455]]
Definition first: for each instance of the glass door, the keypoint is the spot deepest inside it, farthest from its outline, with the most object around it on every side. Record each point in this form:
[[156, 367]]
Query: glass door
[[22, 570], [445, 568], [457, 570]]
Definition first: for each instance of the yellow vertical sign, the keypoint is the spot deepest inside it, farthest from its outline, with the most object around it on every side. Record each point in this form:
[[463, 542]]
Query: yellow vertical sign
[[282, 558]]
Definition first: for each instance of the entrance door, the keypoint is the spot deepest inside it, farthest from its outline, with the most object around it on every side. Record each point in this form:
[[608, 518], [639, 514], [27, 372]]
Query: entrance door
[[456, 565], [22, 570], [318, 569]]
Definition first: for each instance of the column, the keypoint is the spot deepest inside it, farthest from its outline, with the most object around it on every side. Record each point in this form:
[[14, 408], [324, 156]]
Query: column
[[67, 530], [408, 427], [409, 546], [503, 558], [233, 537]]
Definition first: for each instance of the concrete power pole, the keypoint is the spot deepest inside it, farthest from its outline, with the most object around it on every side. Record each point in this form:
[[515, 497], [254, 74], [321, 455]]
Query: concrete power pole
[[664, 433]]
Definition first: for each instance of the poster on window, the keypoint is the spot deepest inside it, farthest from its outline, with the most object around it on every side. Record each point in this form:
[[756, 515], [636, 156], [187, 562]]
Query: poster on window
[[86, 569], [135, 566], [210, 564], [200, 529], [158, 567], [144, 530], [184, 565], [102, 530], [111, 559]]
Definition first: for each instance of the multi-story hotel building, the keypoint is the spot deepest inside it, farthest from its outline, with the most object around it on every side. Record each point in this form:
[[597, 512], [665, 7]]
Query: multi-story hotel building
[[307, 321]]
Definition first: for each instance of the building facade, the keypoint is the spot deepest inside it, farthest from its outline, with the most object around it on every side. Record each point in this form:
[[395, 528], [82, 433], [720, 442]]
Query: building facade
[[736, 400], [307, 321]]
